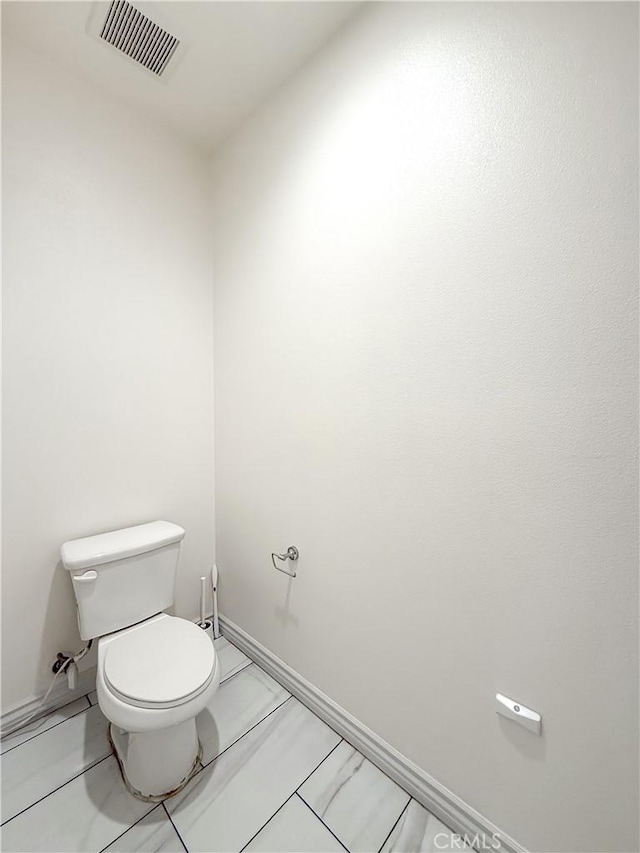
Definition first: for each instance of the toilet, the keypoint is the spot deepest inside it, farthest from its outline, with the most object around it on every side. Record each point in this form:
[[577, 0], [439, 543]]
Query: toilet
[[155, 672]]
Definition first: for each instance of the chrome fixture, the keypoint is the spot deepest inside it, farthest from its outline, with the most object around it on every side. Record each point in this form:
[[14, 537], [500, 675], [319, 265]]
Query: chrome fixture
[[292, 554]]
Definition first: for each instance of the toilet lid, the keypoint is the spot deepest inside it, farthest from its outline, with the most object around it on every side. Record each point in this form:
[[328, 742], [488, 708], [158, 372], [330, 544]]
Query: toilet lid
[[160, 663]]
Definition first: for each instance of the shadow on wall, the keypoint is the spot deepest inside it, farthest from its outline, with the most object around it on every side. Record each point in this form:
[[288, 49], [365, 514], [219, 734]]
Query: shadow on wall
[[529, 747], [283, 612]]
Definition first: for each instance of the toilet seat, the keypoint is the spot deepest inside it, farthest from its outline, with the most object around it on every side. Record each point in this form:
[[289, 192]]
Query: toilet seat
[[162, 663]]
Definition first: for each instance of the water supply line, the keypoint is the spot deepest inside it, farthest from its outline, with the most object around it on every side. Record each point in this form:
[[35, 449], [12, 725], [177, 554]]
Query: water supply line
[[65, 664]]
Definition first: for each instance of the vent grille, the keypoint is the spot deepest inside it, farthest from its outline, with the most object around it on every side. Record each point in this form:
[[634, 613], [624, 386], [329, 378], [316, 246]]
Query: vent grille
[[137, 36]]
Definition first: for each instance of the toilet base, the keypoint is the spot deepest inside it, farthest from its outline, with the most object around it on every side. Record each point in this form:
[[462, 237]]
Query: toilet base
[[157, 765]]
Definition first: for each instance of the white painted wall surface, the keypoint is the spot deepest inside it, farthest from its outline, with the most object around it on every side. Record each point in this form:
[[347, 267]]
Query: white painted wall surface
[[425, 363], [108, 394]]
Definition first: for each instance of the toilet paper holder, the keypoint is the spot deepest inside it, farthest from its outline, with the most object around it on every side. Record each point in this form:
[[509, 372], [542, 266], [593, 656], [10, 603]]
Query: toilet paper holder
[[292, 554]]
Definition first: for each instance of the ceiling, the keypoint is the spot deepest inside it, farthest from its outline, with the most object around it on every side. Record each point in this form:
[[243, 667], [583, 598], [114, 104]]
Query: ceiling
[[233, 54]]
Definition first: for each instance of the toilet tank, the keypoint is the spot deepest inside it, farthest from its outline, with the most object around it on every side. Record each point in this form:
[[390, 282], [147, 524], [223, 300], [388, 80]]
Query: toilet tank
[[124, 576]]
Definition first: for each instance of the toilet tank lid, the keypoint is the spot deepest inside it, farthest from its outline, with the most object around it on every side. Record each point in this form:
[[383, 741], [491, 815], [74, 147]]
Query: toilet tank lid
[[118, 544]]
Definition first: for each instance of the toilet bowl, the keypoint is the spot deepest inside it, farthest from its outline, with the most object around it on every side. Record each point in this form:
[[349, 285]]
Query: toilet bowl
[[152, 680], [155, 672]]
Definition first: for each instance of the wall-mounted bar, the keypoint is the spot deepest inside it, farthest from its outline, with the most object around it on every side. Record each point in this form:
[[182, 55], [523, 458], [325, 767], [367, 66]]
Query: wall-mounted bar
[[291, 554]]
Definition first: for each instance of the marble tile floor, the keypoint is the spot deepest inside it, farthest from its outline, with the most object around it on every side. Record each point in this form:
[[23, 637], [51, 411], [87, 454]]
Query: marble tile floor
[[275, 779]]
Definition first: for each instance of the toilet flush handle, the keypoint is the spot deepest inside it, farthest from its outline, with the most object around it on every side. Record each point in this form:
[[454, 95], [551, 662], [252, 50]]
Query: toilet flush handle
[[87, 577]]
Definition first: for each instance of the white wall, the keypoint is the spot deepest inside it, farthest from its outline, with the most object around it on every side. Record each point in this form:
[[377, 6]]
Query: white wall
[[425, 257], [108, 396]]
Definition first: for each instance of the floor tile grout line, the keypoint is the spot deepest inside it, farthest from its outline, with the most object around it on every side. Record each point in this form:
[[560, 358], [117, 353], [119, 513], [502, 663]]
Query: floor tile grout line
[[177, 831], [40, 799], [318, 716], [405, 807], [318, 766], [333, 833], [240, 669], [91, 705], [50, 728], [291, 795], [238, 739], [209, 763], [326, 825], [246, 665], [335, 731], [237, 672], [398, 819], [244, 734], [266, 823], [135, 823]]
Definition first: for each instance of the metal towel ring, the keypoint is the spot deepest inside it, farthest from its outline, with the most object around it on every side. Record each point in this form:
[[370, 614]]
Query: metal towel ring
[[292, 554]]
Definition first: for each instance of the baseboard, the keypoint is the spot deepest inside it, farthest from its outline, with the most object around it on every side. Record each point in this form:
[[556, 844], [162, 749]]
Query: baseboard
[[444, 804], [59, 696]]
